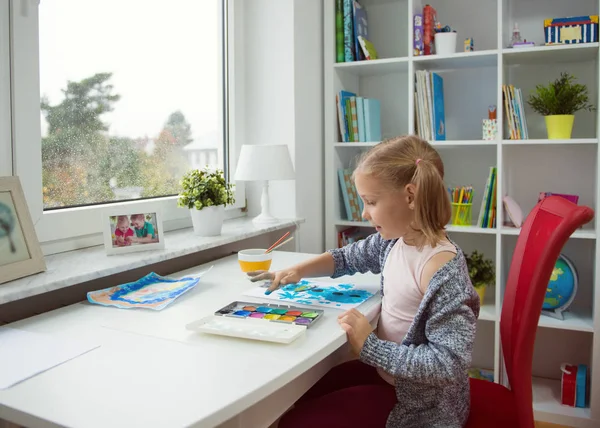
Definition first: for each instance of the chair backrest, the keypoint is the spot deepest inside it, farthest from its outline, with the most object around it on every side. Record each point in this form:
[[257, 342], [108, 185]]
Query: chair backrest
[[543, 235]]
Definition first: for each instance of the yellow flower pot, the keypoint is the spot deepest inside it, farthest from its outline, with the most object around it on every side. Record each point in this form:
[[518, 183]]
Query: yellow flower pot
[[481, 291], [559, 126]]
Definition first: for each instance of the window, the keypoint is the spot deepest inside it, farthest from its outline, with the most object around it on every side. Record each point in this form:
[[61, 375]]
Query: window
[[129, 96]]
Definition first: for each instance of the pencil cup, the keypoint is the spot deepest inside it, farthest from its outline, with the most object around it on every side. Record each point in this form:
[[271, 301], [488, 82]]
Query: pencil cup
[[461, 214], [254, 259]]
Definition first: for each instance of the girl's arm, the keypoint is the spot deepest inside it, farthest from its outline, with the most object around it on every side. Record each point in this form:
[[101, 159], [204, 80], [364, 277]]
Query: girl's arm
[[361, 256]]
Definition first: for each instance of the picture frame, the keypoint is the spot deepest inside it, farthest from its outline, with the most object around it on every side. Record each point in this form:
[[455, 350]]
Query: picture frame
[[20, 251], [128, 229]]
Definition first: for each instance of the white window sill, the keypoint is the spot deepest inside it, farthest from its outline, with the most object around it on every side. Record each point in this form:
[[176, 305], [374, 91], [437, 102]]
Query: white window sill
[[76, 267]]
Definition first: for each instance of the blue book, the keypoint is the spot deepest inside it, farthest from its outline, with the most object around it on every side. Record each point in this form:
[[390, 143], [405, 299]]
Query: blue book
[[360, 28], [439, 119], [344, 125], [580, 386], [372, 108], [349, 51]]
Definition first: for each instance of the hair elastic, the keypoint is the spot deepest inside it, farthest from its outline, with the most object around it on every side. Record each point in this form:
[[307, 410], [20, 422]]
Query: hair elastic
[[417, 162]]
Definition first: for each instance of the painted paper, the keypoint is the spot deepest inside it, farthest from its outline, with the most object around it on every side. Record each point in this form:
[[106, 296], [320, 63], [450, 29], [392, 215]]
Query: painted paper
[[315, 293], [150, 292]]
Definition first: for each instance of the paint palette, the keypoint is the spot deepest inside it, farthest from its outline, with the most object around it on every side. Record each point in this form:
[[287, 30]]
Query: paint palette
[[271, 312], [247, 328]]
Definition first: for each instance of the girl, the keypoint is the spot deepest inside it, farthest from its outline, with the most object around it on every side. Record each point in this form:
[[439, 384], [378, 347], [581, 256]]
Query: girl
[[411, 371]]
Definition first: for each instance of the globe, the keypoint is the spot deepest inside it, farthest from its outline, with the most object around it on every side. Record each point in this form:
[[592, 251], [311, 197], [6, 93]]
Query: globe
[[562, 286]]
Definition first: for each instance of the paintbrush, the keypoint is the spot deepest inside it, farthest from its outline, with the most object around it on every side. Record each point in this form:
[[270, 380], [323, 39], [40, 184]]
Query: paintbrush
[[279, 245], [277, 242]]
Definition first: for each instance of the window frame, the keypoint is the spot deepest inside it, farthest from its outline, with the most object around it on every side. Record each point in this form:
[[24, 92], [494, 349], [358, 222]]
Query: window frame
[[78, 227], [6, 157]]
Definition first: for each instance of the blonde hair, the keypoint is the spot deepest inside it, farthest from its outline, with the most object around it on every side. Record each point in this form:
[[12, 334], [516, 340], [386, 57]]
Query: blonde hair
[[409, 159], [122, 219]]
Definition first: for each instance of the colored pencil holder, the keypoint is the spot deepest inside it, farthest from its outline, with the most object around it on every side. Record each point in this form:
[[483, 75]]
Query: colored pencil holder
[[461, 214], [254, 259]]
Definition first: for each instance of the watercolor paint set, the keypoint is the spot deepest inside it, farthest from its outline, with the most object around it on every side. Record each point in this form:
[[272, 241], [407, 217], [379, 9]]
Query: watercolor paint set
[[272, 312], [266, 322]]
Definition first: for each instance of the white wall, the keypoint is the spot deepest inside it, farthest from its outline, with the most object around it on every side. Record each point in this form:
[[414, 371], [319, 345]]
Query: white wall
[[283, 96]]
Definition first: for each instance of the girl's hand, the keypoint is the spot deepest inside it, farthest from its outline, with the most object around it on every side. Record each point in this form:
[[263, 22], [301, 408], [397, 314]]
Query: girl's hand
[[281, 277], [357, 327]]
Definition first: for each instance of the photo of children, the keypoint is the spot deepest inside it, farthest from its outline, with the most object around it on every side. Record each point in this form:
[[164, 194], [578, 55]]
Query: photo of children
[[134, 229]]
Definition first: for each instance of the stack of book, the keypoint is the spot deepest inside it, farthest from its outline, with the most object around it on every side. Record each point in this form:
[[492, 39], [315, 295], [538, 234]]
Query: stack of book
[[430, 119], [515, 113], [352, 38], [359, 118], [487, 213]]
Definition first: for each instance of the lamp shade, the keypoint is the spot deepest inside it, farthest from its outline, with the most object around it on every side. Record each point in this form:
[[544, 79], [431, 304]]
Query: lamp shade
[[264, 162]]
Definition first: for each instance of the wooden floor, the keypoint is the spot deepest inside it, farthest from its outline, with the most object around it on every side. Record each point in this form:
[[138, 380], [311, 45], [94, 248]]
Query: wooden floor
[[548, 425]]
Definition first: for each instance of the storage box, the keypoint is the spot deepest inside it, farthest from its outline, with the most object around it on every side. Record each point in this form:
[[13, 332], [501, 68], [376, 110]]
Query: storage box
[[572, 30]]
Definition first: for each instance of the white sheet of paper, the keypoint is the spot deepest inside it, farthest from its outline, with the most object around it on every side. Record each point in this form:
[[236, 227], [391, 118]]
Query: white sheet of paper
[[321, 294], [24, 354]]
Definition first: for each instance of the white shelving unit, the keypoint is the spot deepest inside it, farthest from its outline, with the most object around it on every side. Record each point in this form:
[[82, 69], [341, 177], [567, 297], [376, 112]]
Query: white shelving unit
[[472, 82]]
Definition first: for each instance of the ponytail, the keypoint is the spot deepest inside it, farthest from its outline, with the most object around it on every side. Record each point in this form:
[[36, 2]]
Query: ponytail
[[410, 159], [432, 204]]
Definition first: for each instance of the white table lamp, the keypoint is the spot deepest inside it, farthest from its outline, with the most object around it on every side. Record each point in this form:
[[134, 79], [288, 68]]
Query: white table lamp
[[264, 163]]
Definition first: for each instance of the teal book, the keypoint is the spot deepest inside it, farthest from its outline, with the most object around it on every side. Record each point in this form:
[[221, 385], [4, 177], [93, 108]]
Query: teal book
[[372, 109], [349, 54]]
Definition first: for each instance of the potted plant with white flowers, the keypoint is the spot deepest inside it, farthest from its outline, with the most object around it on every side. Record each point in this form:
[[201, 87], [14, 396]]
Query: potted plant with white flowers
[[206, 193]]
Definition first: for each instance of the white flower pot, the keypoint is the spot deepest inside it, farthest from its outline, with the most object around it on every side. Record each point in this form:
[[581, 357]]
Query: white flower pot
[[208, 221]]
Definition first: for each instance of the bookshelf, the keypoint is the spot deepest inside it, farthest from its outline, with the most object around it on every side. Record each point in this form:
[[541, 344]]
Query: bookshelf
[[472, 82]]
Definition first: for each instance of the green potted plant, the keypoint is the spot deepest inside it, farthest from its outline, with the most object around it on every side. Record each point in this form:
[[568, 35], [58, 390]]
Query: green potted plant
[[557, 102], [206, 193], [481, 272]]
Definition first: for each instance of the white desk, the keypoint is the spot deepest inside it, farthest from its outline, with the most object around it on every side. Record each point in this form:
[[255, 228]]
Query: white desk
[[151, 372]]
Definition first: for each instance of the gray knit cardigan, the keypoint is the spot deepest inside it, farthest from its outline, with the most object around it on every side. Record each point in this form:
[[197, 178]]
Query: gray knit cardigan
[[430, 365]]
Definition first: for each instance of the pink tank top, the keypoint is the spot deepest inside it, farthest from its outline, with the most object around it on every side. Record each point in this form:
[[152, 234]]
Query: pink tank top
[[401, 293]]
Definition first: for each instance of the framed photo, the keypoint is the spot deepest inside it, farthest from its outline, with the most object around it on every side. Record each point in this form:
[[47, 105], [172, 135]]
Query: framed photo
[[127, 231], [20, 252]]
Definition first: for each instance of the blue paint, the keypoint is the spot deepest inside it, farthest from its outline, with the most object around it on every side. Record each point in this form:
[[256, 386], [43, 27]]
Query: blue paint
[[164, 297], [308, 293], [263, 309], [242, 313]]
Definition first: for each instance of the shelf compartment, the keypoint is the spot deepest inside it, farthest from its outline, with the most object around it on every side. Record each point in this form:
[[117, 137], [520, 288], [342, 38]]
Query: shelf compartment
[[443, 144], [551, 54], [375, 67], [471, 229], [547, 404], [541, 142], [453, 144], [458, 61], [488, 312], [578, 234], [575, 321]]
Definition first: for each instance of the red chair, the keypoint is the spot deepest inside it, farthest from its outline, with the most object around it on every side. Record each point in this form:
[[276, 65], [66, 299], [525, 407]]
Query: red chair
[[545, 232]]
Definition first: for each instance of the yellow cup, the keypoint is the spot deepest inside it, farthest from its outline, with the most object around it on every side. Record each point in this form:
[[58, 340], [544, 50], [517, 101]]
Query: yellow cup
[[254, 259]]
